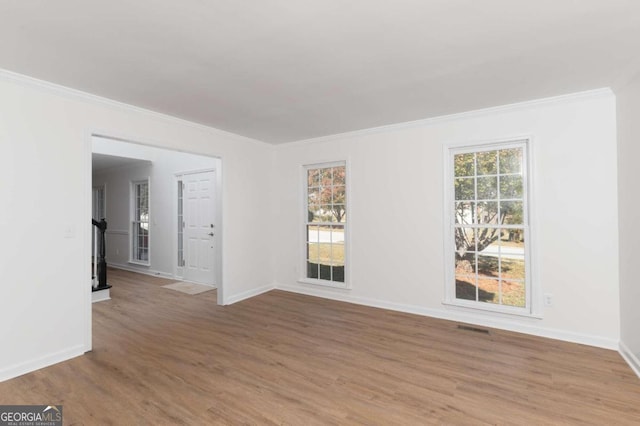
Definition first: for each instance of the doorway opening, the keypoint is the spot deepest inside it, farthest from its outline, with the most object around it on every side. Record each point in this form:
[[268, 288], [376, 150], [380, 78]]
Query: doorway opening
[[149, 218]]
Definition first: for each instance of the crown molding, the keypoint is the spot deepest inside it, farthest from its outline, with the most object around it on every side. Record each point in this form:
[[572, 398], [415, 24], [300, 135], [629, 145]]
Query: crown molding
[[78, 95], [67, 92], [425, 122]]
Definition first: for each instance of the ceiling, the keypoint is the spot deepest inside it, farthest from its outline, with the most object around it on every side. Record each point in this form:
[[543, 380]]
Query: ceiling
[[102, 162], [286, 70]]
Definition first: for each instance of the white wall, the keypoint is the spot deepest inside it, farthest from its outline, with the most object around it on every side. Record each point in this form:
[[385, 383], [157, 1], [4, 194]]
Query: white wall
[[396, 254], [161, 170], [396, 220], [45, 191], [628, 112]]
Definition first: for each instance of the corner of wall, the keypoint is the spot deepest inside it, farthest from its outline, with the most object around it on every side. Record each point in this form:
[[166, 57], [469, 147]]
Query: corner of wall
[[247, 294], [630, 358]]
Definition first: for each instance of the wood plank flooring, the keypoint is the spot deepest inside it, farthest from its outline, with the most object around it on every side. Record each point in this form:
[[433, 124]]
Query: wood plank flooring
[[164, 357]]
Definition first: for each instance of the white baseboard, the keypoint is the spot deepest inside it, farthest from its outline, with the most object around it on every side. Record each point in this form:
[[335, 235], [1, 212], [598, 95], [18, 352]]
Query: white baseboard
[[247, 294], [42, 362], [100, 295], [150, 272], [630, 357], [458, 316]]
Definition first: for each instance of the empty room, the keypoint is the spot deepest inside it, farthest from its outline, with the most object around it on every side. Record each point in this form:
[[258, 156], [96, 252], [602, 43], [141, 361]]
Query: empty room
[[319, 212]]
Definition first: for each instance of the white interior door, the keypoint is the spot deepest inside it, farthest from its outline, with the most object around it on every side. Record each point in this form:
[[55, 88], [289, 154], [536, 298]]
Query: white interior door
[[199, 227]]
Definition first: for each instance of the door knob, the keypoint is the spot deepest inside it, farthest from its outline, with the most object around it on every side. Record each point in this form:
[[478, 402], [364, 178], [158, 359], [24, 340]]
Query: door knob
[[211, 234]]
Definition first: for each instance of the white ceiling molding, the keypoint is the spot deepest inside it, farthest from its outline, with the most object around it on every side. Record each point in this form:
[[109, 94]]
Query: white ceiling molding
[[596, 93], [79, 95], [284, 71]]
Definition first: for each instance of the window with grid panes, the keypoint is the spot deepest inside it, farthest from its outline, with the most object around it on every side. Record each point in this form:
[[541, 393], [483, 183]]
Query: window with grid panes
[[140, 222], [325, 213], [489, 232], [180, 223]]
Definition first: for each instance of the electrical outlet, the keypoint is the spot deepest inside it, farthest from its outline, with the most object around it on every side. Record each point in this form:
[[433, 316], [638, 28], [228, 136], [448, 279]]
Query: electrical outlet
[[69, 231], [548, 299], [117, 252]]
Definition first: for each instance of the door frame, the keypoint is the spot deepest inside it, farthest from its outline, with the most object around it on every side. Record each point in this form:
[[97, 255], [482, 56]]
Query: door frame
[[87, 230], [217, 207]]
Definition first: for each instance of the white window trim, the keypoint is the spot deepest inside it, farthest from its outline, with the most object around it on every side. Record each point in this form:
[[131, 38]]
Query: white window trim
[[132, 212], [302, 265], [533, 289], [179, 179]]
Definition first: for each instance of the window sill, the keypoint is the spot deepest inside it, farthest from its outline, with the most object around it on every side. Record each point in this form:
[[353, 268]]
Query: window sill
[[488, 308], [325, 283], [139, 263]]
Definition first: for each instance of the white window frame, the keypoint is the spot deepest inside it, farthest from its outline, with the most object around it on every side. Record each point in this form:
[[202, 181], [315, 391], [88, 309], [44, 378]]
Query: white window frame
[[532, 291], [133, 221], [304, 222]]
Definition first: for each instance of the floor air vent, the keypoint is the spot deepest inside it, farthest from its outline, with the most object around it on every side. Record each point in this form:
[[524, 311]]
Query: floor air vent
[[475, 329]]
